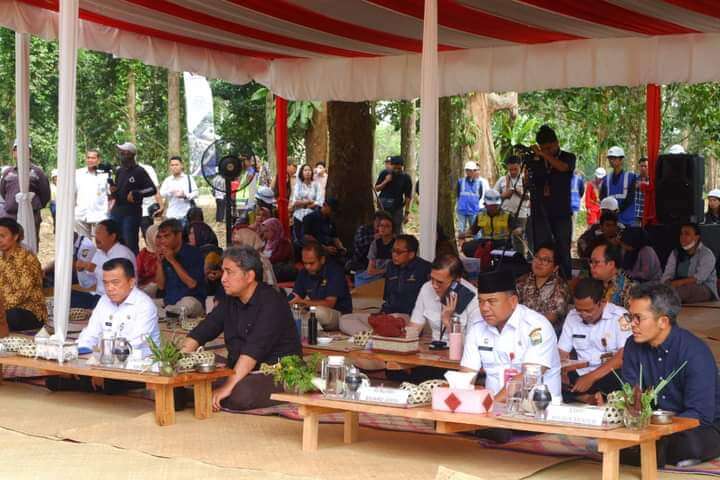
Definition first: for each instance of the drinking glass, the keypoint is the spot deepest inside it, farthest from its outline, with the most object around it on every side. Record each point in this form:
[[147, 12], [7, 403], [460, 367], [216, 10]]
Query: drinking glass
[[514, 391]]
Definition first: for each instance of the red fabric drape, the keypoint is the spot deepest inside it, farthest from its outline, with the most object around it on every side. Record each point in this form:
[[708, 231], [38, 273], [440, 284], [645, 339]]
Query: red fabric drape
[[654, 128], [281, 133]]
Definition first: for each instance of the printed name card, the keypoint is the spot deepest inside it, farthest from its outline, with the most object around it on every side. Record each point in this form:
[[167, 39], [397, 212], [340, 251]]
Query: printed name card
[[394, 396], [585, 415]]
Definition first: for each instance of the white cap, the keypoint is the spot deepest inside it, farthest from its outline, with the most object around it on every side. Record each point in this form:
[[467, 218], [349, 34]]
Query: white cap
[[54, 173], [715, 192], [492, 197], [676, 149], [600, 172], [266, 194], [616, 152], [471, 165], [609, 203], [127, 147]]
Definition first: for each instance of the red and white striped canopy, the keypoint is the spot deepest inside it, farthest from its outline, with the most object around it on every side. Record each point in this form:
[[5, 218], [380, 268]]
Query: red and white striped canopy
[[369, 49]]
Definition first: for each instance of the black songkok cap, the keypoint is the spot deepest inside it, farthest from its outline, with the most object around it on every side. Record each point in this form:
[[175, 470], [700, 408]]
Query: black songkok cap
[[497, 281]]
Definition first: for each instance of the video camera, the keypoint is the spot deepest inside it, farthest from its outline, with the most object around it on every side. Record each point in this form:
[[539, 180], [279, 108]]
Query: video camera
[[526, 154]]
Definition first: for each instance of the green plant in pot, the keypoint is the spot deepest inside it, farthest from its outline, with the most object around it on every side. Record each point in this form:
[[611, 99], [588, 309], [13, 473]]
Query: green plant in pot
[[166, 354], [635, 403], [294, 372]]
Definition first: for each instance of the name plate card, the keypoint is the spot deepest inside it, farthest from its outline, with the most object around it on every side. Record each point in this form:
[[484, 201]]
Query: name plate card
[[581, 415], [393, 396]]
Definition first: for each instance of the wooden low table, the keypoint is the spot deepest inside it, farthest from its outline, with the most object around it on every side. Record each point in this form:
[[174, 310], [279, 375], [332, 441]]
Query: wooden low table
[[610, 442], [163, 386]]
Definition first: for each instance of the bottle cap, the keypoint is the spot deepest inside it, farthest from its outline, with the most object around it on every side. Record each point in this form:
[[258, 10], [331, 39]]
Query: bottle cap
[[313, 308]]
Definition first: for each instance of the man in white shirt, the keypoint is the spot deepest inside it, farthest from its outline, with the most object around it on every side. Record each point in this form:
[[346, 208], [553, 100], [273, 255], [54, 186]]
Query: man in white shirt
[[446, 293], [91, 201], [123, 311], [179, 189], [512, 194], [509, 335], [593, 330]]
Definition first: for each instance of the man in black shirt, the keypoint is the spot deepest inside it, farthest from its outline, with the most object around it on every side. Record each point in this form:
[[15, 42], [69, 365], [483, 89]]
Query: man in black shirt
[[131, 185], [319, 226], [395, 187], [258, 328], [551, 213]]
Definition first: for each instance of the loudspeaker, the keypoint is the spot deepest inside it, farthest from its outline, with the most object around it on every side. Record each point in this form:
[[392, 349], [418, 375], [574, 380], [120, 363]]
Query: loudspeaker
[[679, 183]]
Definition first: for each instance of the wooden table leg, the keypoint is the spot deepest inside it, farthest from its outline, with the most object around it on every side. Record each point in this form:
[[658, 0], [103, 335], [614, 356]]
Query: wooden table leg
[[164, 405], [610, 459], [648, 460], [311, 426], [350, 432], [202, 392]]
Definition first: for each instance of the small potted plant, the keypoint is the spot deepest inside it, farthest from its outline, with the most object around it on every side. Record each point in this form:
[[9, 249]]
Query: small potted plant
[[294, 372], [635, 403], [166, 354]]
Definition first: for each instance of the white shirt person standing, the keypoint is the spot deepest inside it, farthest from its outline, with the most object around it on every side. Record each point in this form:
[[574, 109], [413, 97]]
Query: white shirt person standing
[[180, 190], [91, 201]]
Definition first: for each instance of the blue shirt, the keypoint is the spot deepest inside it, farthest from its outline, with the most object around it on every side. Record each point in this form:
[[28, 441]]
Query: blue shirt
[[192, 261], [403, 284], [329, 282], [695, 391]]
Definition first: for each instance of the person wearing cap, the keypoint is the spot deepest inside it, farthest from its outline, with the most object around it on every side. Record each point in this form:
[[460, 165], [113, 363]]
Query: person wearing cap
[[676, 149], [712, 216], [395, 189], [592, 196], [319, 226], [642, 187], [265, 198], [621, 185], [39, 185], [179, 190], [492, 229], [91, 200], [468, 193], [132, 184], [593, 331], [512, 189], [690, 268], [509, 335]]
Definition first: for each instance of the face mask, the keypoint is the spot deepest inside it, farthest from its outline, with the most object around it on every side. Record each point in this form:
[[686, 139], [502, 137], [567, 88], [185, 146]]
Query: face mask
[[687, 248]]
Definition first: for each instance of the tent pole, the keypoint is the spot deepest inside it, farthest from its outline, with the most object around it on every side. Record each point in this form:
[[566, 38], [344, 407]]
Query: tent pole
[[429, 134], [22, 121], [281, 134], [66, 165], [653, 113]]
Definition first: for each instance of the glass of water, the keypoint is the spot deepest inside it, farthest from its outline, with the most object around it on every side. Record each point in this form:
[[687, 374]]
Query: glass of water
[[514, 392]]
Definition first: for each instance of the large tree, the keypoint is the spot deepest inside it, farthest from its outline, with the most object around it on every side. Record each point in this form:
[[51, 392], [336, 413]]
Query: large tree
[[408, 135], [351, 128]]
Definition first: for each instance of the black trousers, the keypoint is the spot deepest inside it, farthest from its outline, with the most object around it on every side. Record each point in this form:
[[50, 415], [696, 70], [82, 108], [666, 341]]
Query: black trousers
[[608, 383], [701, 443], [558, 230], [219, 210], [19, 320], [252, 392]]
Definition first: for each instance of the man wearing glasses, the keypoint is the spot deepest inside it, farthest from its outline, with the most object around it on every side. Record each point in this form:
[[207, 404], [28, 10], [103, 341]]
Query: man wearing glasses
[[659, 346], [605, 266]]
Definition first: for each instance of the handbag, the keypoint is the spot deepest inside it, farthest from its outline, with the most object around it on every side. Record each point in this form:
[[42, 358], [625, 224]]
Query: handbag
[[386, 325]]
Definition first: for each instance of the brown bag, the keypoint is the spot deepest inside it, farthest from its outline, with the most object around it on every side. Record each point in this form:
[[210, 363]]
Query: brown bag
[[387, 325]]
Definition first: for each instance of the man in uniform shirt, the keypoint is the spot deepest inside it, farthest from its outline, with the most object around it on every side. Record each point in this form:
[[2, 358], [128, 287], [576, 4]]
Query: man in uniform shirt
[[258, 328], [621, 185], [180, 270], [592, 330], [131, 186], [658, 347], [91, 202], [509, 335], [322, 284]]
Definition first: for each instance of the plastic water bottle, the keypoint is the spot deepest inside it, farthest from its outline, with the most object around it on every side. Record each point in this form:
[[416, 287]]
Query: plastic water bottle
[[312, 327], [456, 338]]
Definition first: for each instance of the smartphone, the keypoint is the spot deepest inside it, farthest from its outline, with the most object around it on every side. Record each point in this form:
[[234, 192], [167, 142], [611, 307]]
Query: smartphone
[[452, 289]]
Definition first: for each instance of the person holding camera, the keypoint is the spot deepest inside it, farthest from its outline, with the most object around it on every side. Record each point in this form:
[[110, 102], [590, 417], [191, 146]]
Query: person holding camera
[[551, 170], [91, 201]]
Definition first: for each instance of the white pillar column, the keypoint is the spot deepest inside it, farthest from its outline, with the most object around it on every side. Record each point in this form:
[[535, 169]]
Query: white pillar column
[[66, 165], [22, 121], [429, 134]]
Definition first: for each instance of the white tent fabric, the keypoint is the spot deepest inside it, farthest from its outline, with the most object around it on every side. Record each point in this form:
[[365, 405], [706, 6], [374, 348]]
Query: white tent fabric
[[429, 132], [25, 215], [66, 166]]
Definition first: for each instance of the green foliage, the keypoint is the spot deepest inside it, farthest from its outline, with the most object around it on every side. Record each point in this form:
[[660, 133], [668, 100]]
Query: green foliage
[[294, 372], [634, 399], [507, 133], [166, 353]]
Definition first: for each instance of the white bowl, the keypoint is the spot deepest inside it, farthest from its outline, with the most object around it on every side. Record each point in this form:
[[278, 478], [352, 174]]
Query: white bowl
[[324, 340]]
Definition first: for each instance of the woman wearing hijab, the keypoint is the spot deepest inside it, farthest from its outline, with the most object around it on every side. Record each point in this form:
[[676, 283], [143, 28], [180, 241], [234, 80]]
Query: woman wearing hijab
[[640, 261], [277, 248], [147, 263]]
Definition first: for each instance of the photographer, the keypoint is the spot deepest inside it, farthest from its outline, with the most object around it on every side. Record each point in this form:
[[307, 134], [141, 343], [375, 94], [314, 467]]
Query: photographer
[[550, 171]]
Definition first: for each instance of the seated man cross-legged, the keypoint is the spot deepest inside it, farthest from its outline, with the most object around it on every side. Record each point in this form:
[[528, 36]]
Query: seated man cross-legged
[[658, 347], [258, 328], [690, 269], [606, 266], [180, 271], [321, 283], [592, 330]]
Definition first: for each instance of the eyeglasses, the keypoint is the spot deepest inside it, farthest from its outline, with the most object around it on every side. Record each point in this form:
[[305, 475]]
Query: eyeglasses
[[399, 252], [596, 262], [544, 260]]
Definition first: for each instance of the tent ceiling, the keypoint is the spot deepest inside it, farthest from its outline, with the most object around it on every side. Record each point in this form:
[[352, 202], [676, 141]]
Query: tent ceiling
[[369, 49]]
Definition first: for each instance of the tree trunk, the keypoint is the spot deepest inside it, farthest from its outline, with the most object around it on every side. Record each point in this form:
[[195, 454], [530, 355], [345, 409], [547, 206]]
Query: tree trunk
[[317, 137], [270, 133], [408, 130], [352, 132], [481, 107], [132, 112], [446, 190], [173, 113]]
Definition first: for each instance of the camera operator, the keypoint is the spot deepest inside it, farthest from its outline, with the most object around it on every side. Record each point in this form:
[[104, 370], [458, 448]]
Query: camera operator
[[551, 214]]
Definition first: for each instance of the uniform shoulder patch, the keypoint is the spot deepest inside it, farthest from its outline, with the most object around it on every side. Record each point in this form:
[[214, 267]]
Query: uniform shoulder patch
[[535, 336]]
